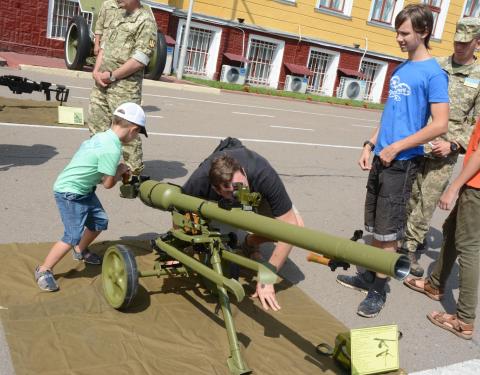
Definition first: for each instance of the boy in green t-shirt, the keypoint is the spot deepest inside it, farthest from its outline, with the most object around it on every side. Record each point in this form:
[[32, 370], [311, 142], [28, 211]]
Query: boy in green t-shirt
[[96, 161]]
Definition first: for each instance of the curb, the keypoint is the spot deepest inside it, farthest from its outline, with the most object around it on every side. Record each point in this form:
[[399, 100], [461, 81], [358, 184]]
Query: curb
[[146, 82]]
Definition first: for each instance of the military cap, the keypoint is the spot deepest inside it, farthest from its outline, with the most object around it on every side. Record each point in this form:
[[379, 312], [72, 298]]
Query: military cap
[[468, 28]]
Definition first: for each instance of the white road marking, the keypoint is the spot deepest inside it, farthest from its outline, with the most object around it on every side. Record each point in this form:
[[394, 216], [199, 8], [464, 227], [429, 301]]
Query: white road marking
[[260, 107], [255, 140], [154, 116], [252, 114], [365, 126], [288, 127], [80, 97], [240, 105]]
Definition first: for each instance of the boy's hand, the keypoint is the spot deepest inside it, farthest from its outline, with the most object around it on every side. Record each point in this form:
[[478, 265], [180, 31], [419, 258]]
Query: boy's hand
[[388, 154], [122, 169], [364, 161]]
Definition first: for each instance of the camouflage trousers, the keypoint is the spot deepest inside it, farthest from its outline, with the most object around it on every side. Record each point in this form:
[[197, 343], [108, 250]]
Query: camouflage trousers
[[103, 102], [431, 180]]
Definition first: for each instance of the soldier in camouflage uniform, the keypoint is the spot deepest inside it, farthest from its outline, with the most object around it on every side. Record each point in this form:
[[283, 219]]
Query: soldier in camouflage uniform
[[441, 154], [125, 51], [105, 17]]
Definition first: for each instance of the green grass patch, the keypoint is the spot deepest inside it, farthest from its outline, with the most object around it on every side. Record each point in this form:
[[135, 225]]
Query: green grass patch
[[288, 94]]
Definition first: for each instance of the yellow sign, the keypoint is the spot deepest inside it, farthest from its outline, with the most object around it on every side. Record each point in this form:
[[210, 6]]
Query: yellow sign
[[70, 115], [374, 349]]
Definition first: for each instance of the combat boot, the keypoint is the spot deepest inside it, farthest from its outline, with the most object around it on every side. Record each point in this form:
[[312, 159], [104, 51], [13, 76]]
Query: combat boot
[[415, 268]]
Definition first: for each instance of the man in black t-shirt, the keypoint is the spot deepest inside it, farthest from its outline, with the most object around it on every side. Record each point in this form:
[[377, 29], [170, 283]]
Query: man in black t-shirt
[[213, 180]]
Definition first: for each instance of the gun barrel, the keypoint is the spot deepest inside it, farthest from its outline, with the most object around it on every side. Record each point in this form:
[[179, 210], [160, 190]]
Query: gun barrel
[[167, 197]]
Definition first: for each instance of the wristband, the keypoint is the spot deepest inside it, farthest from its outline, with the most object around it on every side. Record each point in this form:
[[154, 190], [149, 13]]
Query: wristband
[[372, 146]]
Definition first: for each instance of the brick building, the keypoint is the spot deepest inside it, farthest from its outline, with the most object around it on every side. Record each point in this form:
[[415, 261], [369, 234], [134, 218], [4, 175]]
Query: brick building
[[324, 45]]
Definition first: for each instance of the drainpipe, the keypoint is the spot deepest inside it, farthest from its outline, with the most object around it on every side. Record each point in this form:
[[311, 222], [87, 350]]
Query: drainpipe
[[183, 52]]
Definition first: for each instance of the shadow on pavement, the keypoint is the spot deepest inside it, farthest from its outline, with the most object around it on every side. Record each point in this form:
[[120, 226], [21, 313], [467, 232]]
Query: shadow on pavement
[[19, 155], [163, 169]]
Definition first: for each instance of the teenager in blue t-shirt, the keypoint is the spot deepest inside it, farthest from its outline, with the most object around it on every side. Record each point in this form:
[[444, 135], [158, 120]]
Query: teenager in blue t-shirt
[[418, 91]]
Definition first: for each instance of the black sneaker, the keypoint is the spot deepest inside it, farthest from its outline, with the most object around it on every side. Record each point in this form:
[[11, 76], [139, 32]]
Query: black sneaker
[[358, 282], [372, 304]]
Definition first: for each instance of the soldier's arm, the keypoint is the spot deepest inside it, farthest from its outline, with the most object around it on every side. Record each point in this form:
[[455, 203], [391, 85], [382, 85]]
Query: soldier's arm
[[145, 43]]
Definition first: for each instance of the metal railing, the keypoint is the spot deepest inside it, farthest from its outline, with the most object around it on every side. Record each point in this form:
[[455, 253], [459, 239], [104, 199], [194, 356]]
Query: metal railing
[[198, 47], [261, 56], [318, 64], [370, 71], [63, 11]]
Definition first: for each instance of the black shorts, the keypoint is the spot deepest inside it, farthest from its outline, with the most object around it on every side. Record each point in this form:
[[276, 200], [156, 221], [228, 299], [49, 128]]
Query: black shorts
[[388, 191]]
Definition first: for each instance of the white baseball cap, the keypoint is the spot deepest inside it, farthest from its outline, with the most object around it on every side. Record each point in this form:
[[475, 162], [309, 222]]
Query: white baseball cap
[[133, 113]]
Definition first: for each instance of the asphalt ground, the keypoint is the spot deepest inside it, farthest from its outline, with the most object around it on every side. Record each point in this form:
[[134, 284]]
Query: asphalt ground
[[313, 147]]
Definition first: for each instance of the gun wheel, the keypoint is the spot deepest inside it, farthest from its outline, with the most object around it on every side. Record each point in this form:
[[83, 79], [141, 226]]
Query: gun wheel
[[119, 276], [77, 43], [158, 60]]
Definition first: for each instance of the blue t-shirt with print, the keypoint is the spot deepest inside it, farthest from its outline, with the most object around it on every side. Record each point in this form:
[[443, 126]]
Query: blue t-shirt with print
[[413, 86]]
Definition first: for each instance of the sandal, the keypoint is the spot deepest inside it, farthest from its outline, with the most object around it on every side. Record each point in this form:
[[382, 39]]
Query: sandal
[[430, 291], [87, 257], [451, 323]]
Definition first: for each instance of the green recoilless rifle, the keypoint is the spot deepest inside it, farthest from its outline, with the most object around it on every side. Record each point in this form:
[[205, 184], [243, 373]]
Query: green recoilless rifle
[[194, 229]]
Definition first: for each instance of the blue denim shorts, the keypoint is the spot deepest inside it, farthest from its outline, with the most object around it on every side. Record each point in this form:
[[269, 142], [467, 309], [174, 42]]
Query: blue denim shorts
[[80, 211]]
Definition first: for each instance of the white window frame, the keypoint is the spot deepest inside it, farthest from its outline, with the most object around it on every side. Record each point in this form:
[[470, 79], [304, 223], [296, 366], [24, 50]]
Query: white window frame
[[347, 9], [51, 7], [396, 10], [379, 79], [331, 72], [211, 66], [441, 19], [274, 77], [465, 8]]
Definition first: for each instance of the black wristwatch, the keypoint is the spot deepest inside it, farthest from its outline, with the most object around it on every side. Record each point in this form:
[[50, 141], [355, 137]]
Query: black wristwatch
[[112, 77], [453, 147], [372, 146]]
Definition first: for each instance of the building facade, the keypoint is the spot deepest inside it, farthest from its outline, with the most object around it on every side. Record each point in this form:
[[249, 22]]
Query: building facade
[[324, 45]]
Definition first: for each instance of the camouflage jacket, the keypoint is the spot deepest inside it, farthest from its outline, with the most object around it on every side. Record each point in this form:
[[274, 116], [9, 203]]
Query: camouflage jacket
[[464, 93], [105, 16], [129, 36]]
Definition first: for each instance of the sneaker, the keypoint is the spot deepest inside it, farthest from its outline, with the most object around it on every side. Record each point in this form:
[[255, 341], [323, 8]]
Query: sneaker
[[45, 280], [415, 268], [372, 304], [87, 257], [358, 282]]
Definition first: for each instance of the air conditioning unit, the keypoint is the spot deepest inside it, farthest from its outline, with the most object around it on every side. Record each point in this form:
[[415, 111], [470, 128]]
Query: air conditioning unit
[[296, 84], [351, 88], [233, 74]]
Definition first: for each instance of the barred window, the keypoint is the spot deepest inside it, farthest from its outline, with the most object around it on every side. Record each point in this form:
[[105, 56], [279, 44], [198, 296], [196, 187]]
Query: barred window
[[318, 64], [260, 55], [198, 46], [63, 11], [472, 8], [370, 70]]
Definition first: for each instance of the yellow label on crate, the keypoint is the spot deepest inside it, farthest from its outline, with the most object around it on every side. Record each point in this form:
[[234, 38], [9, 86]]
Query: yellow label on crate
[[70, 115], [374, 349]]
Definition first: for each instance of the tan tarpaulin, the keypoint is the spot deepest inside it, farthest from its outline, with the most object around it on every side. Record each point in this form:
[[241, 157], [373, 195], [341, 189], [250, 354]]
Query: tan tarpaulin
[[172, 327]]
